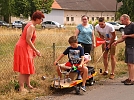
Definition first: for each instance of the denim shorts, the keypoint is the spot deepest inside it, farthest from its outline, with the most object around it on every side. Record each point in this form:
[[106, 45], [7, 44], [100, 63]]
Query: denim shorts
[[129, 55]]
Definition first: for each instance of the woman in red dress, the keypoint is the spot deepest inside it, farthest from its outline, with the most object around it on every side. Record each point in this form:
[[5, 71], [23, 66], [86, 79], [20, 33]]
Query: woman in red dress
[[25, 51]]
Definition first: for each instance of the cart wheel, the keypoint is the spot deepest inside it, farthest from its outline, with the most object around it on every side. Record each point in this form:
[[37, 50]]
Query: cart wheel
[[77, 90], [50, 87], [91, 81]]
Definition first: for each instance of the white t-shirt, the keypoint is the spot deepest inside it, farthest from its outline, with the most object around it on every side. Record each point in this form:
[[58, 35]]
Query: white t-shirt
[[106, 31]]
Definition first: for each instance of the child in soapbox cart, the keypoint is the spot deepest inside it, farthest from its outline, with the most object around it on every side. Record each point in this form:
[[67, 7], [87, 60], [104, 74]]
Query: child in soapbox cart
[[76, 58]]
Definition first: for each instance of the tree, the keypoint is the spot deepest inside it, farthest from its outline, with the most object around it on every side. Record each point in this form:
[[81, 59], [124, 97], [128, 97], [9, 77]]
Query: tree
[[127, 8], [27, 7], [23, 7], [5, 9]]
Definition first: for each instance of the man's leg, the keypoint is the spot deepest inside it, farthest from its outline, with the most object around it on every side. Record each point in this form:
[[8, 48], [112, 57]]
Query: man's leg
[[105, 61], [131, 71], [129, 59], [130, 80], [129, 68], [113, 59], [113, 63]]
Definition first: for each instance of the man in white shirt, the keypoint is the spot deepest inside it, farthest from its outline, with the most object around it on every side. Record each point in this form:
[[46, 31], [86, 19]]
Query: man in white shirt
[[107, 32]]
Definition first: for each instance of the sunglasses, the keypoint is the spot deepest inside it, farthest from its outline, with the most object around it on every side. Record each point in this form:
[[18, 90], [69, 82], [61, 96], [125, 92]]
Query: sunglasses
[[84, 19], [101, 24]]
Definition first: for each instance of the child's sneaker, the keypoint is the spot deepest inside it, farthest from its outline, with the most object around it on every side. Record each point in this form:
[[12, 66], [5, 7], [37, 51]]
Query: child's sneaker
[[79, 77], [83, 88]]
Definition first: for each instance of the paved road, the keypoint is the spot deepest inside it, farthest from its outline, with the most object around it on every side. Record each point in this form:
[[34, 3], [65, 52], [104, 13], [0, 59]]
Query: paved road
[[103, 90], [110, 90]]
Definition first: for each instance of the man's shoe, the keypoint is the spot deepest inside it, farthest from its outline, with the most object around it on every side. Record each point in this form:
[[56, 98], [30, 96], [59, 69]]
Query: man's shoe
[[111, 76], [83, 88], [104, 73], [129, 82], [125, 80]]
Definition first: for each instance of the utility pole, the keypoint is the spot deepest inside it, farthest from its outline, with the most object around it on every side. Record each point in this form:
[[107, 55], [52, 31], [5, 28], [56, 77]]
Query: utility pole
[[115, 11]]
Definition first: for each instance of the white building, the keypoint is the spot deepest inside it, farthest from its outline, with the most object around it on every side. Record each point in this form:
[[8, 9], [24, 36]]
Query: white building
[[70, 11]]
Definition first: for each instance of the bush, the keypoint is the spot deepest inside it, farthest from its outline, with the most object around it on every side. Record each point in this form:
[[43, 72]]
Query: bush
[[90, 22], [121, 55], [95, 23]]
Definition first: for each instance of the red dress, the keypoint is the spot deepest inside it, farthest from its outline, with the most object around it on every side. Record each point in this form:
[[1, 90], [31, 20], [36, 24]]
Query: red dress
[[23, 54]]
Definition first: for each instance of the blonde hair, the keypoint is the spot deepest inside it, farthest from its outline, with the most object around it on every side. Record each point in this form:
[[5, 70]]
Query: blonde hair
[[125, 16]]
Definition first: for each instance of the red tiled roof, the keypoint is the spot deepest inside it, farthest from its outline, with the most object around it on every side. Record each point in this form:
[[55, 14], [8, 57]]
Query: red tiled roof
[[88, 5], [55, 5]]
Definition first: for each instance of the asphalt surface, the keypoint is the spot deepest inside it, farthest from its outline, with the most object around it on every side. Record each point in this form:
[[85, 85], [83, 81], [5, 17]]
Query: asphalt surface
[[102, 90], [110, 90]]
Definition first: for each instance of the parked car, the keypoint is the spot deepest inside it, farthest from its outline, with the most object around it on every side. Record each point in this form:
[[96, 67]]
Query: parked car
[[3, 23], [51, 24], [117, 26], [17, 24]]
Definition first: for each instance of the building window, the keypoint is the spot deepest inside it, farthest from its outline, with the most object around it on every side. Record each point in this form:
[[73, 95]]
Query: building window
[[107, 18], [112, 18], [72, 18], [67, 18], [92, 18], [97, 18]]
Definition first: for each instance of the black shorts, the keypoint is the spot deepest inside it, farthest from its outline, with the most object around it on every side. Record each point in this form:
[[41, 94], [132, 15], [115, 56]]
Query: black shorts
[[129, 55], [87, 47]]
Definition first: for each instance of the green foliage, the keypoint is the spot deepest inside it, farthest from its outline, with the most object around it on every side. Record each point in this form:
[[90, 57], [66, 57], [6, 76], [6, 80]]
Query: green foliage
[[95, 23], [24, 7], [34, 83], [127, 8], [21, 7], [118, 14], [121, 55], [14, 85], [5, 9], [90, 22], [27, 7]]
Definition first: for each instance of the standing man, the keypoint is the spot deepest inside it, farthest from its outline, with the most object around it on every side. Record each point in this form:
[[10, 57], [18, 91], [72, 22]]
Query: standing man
[[107, 32], [128, 37]]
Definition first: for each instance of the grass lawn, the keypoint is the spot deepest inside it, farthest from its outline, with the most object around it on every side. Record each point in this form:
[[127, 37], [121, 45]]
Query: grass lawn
[[44, 65]]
